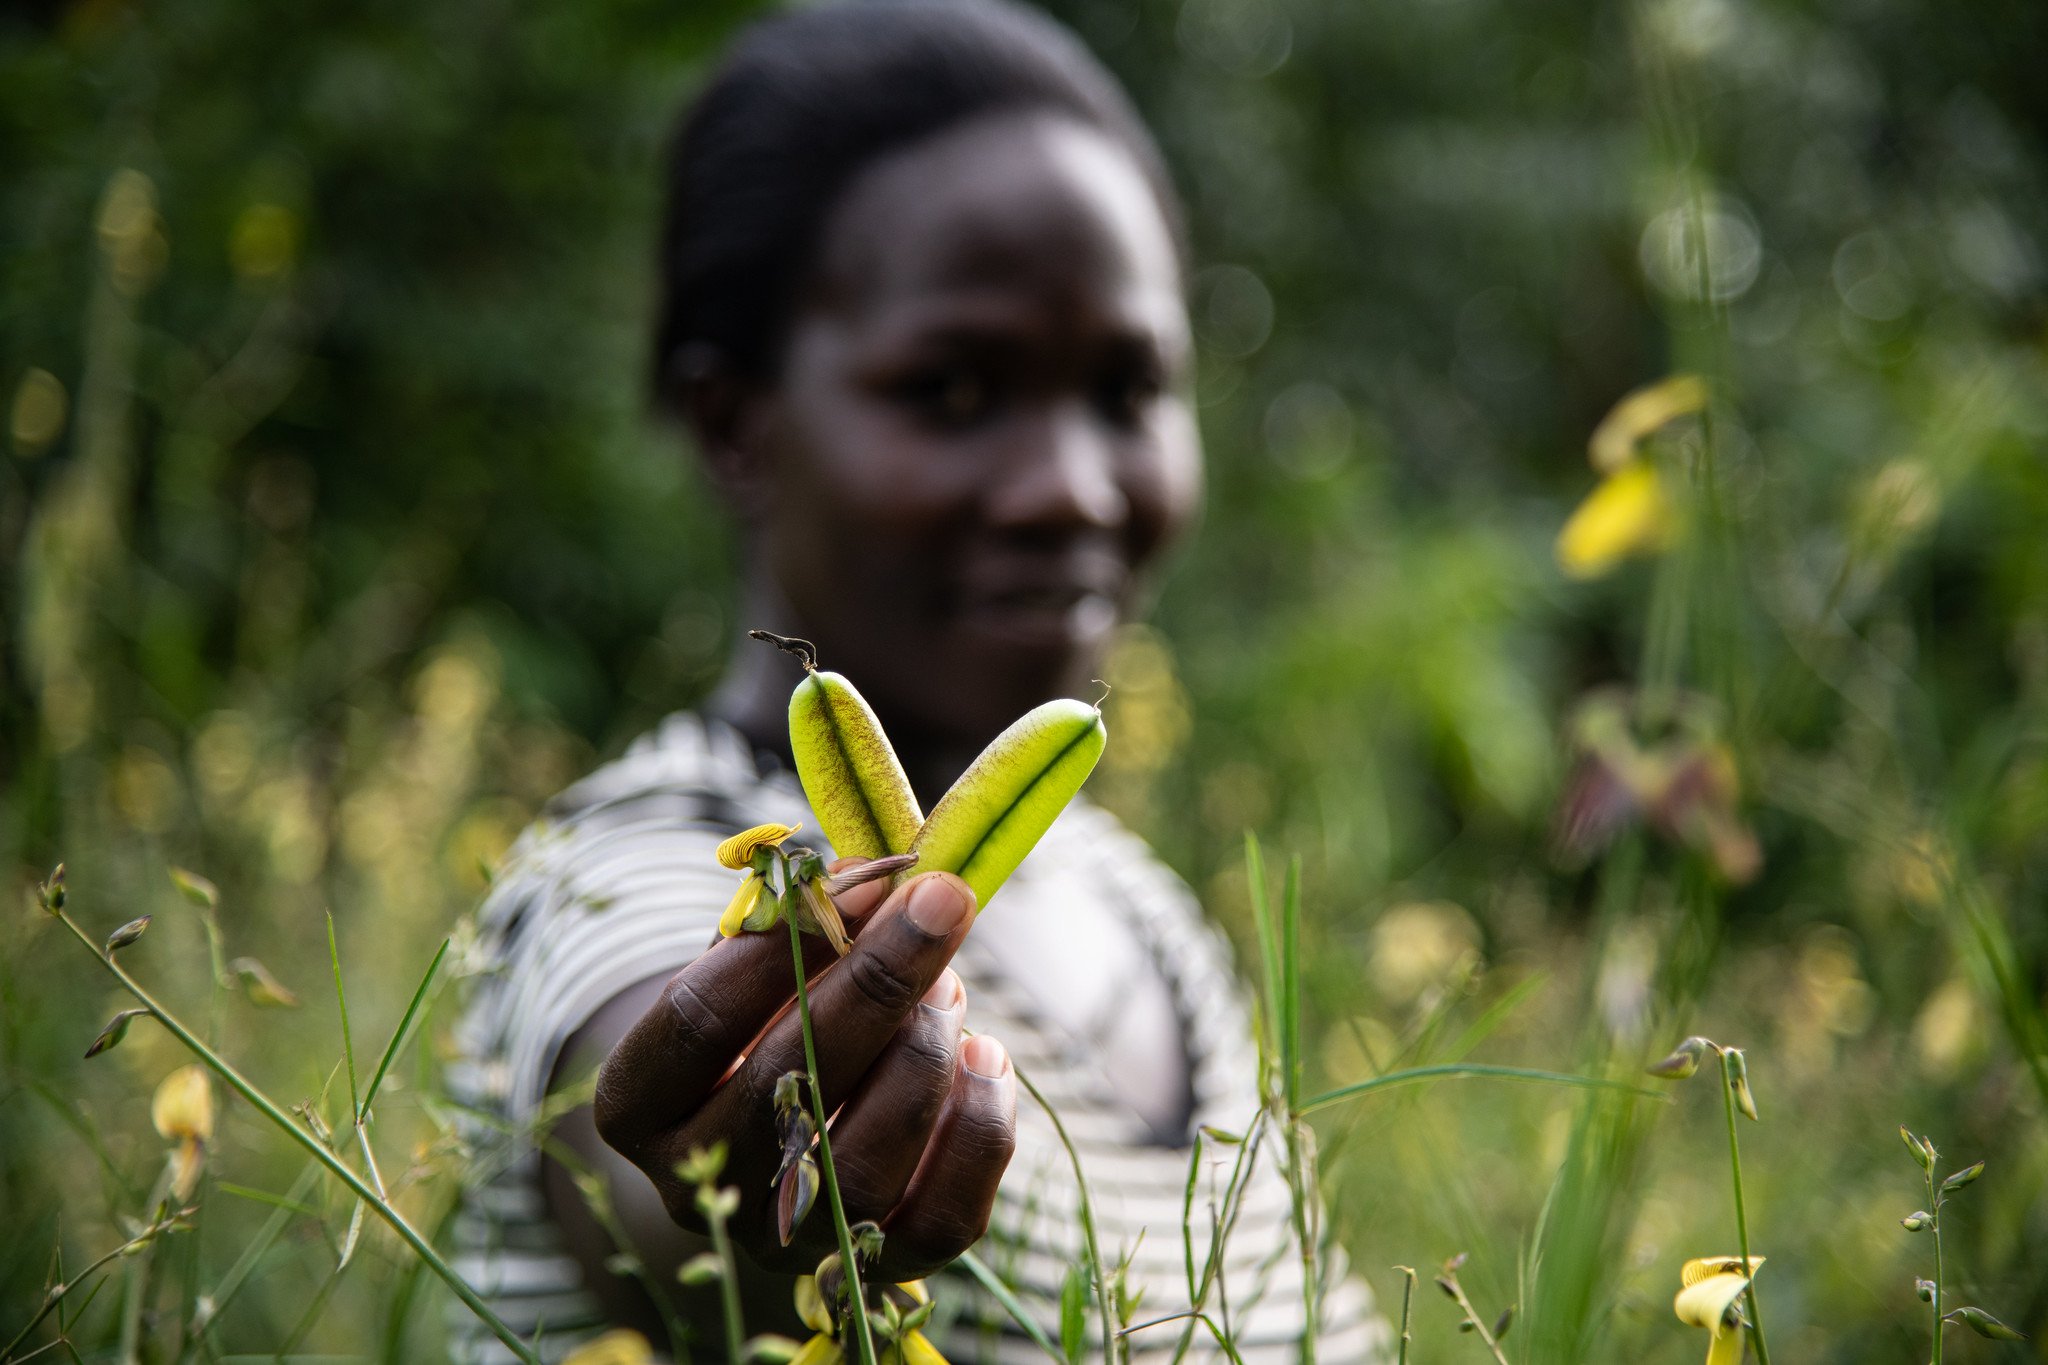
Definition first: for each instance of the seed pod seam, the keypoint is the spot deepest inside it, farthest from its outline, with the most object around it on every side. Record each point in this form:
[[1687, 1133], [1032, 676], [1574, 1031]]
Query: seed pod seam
[[1037, 779]]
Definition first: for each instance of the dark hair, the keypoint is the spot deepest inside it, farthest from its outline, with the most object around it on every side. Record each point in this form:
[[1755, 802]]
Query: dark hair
[[804, 102]]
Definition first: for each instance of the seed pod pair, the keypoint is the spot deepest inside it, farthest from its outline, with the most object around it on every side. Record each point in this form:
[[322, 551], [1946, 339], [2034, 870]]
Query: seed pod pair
[[982, 828]]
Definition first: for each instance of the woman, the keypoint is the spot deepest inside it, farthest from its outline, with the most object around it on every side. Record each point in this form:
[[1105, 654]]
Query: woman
[[923, 317]]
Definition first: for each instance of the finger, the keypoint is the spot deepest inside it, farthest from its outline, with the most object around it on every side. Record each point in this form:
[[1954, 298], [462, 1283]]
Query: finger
[[945, 1211], [675, 1055], [856, 1007], [881, 1132]]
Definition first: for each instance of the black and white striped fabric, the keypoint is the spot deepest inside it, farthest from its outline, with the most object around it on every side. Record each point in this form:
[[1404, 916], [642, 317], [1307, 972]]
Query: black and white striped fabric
[[617, 883]]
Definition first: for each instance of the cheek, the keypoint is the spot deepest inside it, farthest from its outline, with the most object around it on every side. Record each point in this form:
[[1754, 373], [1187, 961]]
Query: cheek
[[1167, 487]]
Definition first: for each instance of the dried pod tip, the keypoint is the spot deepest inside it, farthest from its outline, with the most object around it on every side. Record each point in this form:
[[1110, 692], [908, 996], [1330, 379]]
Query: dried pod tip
[[806, 652]]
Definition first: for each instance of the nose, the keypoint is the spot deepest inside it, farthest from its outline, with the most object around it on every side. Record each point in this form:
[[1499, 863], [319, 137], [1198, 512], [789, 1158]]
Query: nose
[[1063, 476]]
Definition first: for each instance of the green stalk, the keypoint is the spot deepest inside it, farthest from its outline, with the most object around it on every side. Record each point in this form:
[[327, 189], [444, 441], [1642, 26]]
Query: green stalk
[[1934, 1211], [1756, 1322], [861, 1333], [728, 1286], [59, 1292], [265, 1106], [1407, 1303], [1087, 1211]]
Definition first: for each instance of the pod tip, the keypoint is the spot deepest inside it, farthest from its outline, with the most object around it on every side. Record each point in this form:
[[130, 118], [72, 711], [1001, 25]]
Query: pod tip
[[806, 652]]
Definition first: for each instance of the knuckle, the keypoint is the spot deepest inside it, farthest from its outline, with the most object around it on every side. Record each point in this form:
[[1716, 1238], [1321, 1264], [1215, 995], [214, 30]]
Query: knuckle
[[883, 981], [698, 1025]]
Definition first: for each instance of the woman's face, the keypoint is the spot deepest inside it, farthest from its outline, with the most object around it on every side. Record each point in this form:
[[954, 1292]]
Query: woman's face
[[980, 440]]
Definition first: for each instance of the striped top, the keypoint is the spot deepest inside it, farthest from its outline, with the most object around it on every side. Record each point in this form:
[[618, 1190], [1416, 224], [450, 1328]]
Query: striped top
[[617, 883]]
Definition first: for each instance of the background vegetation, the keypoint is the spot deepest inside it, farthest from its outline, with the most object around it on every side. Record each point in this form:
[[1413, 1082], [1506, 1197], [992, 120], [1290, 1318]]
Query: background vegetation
[[336, 538]]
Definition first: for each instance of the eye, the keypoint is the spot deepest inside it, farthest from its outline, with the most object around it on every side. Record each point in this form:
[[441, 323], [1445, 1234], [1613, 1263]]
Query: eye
[[948, 395], [1125, 393]]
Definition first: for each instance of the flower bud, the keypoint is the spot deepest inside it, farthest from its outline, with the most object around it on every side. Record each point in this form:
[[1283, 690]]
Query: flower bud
[[127, 934], [1983, 1324], [1966, 1176], [1738, 1081], [112, 1034], [1924, 1289], [1918, 1221], [1683, 1061], [1916, 1146]]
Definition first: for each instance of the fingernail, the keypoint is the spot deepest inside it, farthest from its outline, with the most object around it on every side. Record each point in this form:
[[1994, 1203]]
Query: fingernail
[[985, 1057], [938, 903], [944, 992]]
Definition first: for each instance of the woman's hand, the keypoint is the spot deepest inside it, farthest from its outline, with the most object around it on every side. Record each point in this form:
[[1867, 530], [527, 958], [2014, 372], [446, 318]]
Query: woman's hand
[[924, 1125]]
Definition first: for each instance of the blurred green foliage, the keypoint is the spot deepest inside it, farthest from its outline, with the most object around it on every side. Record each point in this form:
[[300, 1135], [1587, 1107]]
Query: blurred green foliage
[[336, 537]]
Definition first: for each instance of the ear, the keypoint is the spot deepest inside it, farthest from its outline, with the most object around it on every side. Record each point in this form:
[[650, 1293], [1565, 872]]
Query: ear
[[726, 413]]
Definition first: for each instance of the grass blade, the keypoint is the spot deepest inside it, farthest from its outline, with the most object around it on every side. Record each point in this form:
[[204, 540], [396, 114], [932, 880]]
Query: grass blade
[[398, 1034], [1000, 1292], [1290, 982], [348, 1048], [1419, 1074]]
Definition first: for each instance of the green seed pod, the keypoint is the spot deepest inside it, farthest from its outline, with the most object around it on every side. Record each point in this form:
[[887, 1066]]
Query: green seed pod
[[1010, 795], [849, 770]]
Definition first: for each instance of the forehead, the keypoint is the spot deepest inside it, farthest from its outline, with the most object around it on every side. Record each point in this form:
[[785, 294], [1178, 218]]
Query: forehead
[[1036, 210]]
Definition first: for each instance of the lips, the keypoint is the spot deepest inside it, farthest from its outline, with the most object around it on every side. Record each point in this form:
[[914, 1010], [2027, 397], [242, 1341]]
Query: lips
[[1058, 600]]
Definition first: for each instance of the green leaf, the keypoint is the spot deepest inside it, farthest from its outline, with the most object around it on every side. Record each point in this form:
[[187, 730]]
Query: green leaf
[[348, 1048], [1009, 1302], [398, 1034], [1073, 1311]]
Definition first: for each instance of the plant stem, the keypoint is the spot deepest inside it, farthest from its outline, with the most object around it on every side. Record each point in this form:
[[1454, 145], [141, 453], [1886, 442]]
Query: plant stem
[[1934, 1211], [268, 1108], [58, 1292], [1450, 1282], [861, 1332], [1087, 1211], [728, 1289], [1407, 1303], [1756, 1322]]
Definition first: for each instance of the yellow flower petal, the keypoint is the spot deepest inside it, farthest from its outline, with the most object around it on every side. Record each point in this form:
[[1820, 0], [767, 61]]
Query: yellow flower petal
[[1627, 513], [1704, 1303], [1638, 414], [738, 851], [1699, 1267], [735, 917], [916, 1349], [916, 1290], [810, 1304], [186, 1160], [819, 1350], [183, 1104], [618, 1347]]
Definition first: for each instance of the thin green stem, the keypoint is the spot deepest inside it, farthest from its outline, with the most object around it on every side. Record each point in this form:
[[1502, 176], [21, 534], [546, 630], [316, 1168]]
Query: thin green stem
[[1407, 1305], [1087, 1212], [1756, 1322], [728, 1289], [1934, 1212], [1450, 1281], [862, 1334], [335, 1167], [59, 1292], [1459, 1071]]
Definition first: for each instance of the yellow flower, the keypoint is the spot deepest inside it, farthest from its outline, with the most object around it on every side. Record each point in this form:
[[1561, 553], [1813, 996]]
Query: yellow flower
[[912, 1348], [617, 1347], [743, 902], [1640, 413], [1712, 1285], [738, 852], [182, 1111], [1628, 513]]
